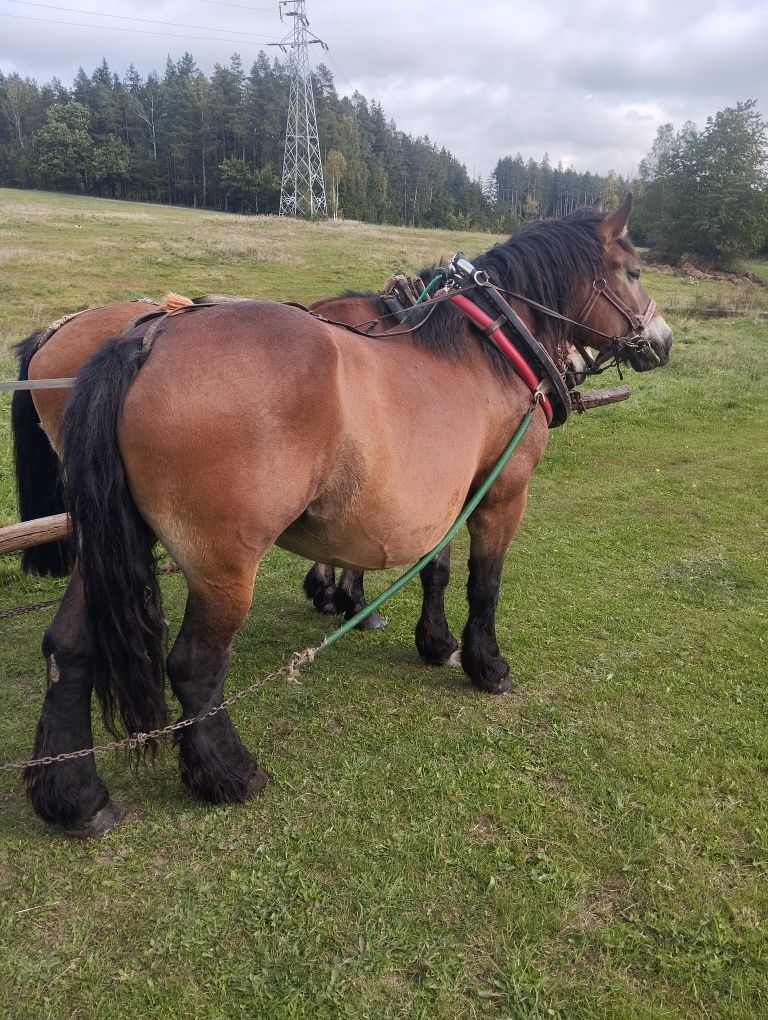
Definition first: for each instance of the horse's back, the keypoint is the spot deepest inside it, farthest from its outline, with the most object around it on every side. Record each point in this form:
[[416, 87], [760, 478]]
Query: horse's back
[[229, 361], [67, 349]]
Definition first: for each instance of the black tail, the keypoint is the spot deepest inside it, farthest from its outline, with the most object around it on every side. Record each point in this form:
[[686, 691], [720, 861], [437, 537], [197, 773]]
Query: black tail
[[38, 478], [114, 543]]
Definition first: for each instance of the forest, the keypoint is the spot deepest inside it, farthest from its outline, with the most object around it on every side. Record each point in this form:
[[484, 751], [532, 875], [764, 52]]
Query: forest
[[217, 143]]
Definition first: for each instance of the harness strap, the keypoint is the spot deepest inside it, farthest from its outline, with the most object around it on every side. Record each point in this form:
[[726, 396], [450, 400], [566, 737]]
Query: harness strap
[[531, 360], [523, 369], [425, 310], [493, 326], [159, 318], [139, 320], [536, 354]]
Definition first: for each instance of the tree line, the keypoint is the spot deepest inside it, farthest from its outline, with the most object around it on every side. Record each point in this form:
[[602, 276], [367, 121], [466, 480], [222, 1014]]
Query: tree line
[[217, 142]]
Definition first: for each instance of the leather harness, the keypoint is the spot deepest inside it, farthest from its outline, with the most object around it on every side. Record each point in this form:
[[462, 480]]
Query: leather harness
[[472, 291]]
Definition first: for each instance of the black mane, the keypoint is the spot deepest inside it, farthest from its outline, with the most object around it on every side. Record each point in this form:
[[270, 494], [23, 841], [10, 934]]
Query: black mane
[[546, 261], [549, 261]]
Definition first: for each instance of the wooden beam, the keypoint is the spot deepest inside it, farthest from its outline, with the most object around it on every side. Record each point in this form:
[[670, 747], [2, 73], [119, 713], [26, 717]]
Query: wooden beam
[[597, 398], [16, 537]]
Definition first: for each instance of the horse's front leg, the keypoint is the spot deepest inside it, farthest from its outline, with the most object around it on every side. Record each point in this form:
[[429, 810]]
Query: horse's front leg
[[434, 640], [491, 529]]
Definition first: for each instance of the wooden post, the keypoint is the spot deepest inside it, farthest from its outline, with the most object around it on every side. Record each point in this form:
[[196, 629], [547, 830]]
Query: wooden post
[[16, 537], [597, 398]]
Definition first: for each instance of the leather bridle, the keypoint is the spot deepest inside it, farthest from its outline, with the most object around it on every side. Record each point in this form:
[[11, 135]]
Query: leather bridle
[[637, 323], [632, 340]]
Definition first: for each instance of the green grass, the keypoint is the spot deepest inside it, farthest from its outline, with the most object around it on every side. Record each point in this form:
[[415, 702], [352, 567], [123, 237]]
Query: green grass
[[593, 845]]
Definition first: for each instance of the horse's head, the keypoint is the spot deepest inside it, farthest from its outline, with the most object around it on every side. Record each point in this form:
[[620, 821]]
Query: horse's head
[[618, 317]]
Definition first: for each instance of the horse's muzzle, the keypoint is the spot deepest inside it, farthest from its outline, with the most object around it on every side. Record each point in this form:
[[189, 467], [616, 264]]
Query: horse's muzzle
[[652, 350]]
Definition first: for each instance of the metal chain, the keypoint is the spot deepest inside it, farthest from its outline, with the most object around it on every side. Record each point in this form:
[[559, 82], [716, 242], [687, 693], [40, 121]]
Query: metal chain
[[28, 608], [136, 740]]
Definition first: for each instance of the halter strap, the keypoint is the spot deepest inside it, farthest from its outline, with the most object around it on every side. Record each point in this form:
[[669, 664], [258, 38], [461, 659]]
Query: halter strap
[[600, 289]]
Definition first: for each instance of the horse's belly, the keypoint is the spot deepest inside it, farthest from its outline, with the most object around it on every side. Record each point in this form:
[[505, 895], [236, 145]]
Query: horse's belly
[[372, 542]]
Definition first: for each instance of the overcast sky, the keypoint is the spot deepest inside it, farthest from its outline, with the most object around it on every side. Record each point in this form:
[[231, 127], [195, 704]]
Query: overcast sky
[[588, 82]]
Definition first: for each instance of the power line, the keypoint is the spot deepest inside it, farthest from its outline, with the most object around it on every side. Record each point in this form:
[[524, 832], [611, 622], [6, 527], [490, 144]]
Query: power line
[[356, 42], [339, 71], [243, 7], [125, 17], [116, 28]]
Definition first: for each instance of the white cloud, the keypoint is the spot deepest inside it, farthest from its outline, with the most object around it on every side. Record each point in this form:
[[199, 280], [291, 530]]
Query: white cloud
[[585, 84]]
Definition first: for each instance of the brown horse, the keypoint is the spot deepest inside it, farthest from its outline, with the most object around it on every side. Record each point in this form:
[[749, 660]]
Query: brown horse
[[222, 457], [60, 351]]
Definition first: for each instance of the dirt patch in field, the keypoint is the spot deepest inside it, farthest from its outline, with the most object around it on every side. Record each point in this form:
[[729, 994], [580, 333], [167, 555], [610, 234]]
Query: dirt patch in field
[[689, 269], [599, 908]]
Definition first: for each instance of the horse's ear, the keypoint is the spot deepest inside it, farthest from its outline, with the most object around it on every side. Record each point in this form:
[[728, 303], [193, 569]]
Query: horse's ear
[[614, 225], [598, 205]]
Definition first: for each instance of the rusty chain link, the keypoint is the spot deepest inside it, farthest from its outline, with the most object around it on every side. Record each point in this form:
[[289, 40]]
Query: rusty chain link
[[28, 608], [288, 671]]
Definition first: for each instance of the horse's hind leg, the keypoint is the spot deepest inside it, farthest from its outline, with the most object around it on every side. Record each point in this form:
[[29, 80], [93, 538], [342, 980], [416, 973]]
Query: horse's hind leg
[[213, 761], [69, 794], [346, 598], [434, 640], [320, 586], [349, 599]]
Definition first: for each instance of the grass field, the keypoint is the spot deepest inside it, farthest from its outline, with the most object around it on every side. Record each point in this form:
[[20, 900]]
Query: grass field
[[593, 845]]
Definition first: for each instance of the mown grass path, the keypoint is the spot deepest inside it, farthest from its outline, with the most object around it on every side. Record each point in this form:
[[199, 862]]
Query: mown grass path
[[593, 845]]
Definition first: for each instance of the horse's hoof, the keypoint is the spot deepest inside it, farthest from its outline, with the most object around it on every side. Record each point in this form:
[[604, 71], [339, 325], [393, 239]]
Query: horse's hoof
[[502, 686], [103, 821], [452, 661], [373, 622], [258, 781], [329, 607]]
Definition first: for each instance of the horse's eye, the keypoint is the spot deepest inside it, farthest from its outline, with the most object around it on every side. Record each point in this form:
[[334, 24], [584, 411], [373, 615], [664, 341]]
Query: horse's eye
[[633, 274]]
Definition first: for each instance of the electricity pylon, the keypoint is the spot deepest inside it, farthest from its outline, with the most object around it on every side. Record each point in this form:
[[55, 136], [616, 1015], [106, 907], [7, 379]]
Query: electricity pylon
[[302, 190]]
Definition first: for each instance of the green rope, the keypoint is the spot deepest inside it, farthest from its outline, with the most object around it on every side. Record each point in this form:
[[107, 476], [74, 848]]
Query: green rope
[[428, 288], [412, 571]]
